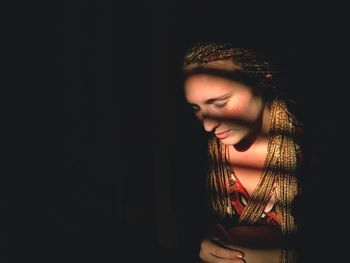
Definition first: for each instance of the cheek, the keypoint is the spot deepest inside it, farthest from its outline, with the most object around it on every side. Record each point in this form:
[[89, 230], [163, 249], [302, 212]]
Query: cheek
[[234, 111]]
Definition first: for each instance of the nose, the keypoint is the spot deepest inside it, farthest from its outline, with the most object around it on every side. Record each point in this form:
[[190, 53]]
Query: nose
[[210, 123]]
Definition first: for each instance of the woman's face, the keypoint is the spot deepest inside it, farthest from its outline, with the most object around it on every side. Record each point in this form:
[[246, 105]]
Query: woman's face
[[226, 107]]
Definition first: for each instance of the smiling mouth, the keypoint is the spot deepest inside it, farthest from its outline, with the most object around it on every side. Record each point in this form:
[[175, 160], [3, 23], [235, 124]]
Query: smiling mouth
[[222, 135]]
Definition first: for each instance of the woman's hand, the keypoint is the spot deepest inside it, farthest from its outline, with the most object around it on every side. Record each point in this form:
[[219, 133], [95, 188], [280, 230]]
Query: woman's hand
[[243, 244], [255, 255], [214, 251]]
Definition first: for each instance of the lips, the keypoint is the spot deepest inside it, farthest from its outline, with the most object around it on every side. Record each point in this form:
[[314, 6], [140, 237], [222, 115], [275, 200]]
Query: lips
[[222, 135]]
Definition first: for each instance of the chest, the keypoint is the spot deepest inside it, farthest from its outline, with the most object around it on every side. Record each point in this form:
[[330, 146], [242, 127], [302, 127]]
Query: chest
[[248, 167]]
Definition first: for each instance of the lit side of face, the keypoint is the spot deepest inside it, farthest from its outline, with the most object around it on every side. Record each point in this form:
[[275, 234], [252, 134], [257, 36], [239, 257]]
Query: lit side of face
[[226, 107]]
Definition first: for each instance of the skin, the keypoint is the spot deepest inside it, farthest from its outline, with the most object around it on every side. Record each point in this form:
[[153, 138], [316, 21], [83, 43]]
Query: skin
[[225, 105]]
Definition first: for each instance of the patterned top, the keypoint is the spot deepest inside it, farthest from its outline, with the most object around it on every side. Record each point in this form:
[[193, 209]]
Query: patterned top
[[239, 200]]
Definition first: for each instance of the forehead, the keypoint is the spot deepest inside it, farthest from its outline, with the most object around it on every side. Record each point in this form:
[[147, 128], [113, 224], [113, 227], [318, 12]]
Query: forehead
[[203, 87]]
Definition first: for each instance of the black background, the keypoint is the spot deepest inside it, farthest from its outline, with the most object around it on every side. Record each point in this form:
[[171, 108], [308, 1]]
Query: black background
[[120, 154]]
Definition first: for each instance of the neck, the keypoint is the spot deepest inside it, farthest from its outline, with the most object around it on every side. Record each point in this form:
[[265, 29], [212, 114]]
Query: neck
[[259, 132]]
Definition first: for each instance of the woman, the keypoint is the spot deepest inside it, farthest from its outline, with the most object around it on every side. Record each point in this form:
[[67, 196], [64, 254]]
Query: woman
[[254, 154]]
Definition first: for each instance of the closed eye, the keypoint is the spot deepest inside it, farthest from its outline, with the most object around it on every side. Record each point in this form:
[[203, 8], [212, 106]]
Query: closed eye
[[195, 108], [220, 105]]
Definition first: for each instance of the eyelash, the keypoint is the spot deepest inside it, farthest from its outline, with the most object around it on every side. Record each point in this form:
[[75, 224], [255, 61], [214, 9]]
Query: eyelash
[[216, 105], [195, 109], [220, 105]]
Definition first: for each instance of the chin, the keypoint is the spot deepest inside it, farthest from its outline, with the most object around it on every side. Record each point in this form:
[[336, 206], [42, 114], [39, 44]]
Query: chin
[[233, 139], [229, 141]]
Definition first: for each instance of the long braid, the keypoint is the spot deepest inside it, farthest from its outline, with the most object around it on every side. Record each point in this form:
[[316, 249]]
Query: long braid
[[279, 173]]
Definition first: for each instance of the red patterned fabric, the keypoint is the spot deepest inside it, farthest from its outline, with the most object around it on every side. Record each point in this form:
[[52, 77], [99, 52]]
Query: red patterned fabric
[[240, 197]]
